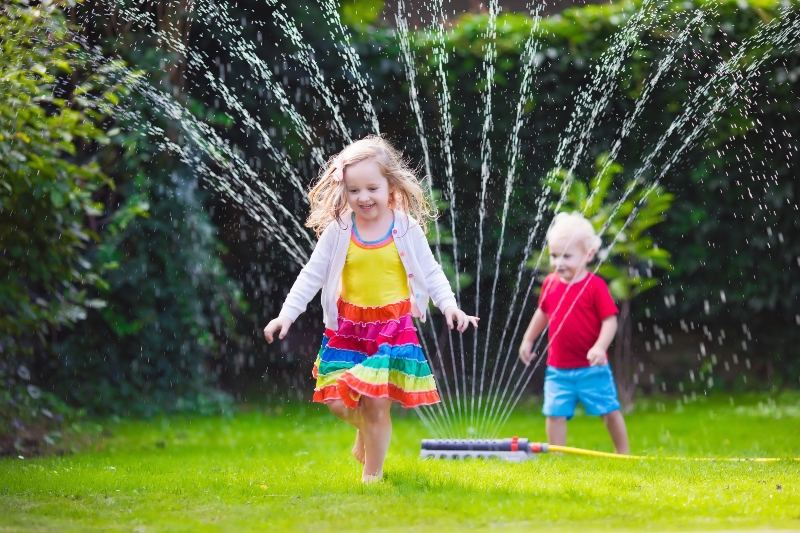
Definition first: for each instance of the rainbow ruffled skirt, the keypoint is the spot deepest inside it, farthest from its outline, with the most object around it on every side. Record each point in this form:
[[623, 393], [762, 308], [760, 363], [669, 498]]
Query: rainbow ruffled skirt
[[375, 353]]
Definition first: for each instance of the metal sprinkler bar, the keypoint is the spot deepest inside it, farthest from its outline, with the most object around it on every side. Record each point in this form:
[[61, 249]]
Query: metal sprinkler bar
[[518, 449], [515, 449]]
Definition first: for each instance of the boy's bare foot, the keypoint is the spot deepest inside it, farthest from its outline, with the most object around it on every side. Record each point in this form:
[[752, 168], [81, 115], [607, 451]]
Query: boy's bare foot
[[358, 448]]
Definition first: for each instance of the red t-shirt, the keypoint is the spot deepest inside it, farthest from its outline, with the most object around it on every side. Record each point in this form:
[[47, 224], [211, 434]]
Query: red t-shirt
[[574, 322]]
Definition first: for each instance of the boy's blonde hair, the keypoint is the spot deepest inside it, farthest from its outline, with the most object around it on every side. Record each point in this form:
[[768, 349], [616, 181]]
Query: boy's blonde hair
[[327, 197], [575, 228]]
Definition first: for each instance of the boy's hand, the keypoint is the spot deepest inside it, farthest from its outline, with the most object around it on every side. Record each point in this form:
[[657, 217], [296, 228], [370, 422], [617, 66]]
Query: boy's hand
[[597, 356], [276, 325], [526, 352], [456, 316]]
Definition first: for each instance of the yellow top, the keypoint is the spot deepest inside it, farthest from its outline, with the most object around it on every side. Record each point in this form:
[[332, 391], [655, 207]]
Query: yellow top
[[373, 275]]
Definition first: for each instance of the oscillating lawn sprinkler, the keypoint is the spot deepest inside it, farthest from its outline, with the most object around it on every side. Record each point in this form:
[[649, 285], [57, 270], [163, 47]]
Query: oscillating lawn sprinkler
[[514, 449], [518, 449]]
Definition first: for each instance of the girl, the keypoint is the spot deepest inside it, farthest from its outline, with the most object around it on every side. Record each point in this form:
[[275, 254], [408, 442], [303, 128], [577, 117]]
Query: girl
[[375, 269]]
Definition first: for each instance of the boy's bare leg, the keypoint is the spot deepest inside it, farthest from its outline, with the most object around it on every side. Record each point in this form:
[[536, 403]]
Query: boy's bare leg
[[354, 418], [376, 432], [616, 428], [556, 430]]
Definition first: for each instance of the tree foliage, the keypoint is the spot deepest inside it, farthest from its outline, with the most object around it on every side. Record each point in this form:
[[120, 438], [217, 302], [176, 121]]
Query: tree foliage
[[735, 191], [623, 211]]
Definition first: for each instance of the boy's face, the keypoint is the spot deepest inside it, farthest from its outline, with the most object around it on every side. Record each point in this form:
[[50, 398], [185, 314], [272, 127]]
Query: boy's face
[[569, 258]]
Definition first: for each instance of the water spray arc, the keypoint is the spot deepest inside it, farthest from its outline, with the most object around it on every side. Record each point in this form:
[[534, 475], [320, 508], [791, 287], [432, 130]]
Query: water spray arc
[[776, 33], [478, 396], [457, 409], [582, 121]]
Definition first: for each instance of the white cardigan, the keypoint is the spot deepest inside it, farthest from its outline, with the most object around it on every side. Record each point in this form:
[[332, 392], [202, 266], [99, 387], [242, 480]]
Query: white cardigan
[[426, 280]]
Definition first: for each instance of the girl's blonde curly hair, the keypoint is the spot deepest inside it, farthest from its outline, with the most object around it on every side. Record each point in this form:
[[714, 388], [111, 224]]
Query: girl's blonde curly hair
[[327, 196]]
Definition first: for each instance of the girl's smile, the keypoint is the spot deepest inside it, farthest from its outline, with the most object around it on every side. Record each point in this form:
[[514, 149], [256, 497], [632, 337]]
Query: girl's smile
[[367, 190]]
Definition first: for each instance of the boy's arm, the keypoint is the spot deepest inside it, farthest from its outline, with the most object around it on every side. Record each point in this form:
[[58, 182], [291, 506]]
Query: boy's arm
[[537, 325], [535, 328], [598, 354]]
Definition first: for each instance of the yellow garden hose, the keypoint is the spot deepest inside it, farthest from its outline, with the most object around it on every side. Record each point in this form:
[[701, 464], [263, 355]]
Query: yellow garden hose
[[544, 447]]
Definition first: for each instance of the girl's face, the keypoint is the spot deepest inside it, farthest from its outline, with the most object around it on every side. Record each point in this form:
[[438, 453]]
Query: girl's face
[[569, 258], [367, 191]]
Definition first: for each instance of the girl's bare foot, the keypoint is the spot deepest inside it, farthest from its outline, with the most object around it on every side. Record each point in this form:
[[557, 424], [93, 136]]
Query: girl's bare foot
[[358, 448], [371, 478]]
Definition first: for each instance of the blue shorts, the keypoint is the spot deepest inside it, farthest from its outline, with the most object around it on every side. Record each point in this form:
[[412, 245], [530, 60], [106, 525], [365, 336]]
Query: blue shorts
[[593, 386]]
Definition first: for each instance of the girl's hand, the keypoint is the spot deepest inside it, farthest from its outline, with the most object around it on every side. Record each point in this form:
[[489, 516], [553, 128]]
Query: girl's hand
[[275, 325], [526, 352], [456, 316], [597, 356]]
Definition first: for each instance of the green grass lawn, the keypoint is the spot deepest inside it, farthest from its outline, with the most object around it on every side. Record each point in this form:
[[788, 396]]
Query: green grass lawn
[[290, 468]]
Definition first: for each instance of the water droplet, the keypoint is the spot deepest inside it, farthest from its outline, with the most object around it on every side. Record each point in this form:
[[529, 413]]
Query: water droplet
[[24, 373]]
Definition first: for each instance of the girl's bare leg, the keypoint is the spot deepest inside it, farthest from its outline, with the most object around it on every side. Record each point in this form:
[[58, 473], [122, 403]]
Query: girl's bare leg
[[556, 430], [358, 448], [616, 428], [352, 417], [376, 432]]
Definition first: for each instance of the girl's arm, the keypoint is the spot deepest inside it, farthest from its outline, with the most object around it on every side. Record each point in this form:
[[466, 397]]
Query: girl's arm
[[438, 286], [598, 354], [305, 287], [535, 328], [310, 279]]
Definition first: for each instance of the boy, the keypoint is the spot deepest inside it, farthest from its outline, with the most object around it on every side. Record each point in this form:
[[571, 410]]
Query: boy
[[582, 319]]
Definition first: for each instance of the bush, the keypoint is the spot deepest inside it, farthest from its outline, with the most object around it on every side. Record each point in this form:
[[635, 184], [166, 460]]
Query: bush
[[52, 126], [173, 311], [49, 126], [710, 185], [113, 298], [171, 308]]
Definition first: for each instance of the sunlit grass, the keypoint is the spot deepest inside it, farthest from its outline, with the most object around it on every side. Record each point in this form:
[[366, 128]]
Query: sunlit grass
[[290, 468]]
